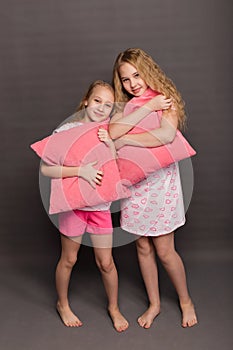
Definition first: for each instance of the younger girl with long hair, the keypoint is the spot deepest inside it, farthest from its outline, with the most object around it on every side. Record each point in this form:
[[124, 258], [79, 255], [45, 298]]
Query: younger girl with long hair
[[96, 106]]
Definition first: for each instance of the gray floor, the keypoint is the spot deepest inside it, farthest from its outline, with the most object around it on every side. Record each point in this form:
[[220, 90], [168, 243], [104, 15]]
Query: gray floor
[[29, 320]]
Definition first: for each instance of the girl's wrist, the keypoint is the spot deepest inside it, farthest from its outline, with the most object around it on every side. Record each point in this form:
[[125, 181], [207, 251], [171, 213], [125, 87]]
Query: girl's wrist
[[118, 143], [122, 140], [150, 105], [77, 171]]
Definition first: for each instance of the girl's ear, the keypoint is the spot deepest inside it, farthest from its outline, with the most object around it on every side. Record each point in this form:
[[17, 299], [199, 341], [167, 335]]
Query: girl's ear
[[85, 103]]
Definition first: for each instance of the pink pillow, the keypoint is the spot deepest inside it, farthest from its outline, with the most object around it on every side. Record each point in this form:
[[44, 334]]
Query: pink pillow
[[80, 145], [136, 163]]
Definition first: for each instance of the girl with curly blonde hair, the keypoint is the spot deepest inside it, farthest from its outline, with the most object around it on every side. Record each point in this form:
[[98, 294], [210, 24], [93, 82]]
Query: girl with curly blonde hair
[[155, 209]]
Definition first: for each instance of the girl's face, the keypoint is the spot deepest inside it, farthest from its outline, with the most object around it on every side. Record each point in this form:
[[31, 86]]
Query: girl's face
[[131, 80], [99, 104]]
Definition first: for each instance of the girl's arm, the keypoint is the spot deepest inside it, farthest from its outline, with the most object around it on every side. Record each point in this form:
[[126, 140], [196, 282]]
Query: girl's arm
[[58, 171], [87, 172], [153, 138], [120, 125]]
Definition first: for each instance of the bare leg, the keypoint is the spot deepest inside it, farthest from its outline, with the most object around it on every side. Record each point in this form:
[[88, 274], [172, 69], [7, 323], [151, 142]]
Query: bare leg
[[175, 268], [106, 265], [148, 266], [63, 272]]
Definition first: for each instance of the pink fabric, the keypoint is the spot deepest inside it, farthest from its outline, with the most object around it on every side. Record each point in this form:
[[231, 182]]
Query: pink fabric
[[76, 222], [73, 147], [136, 163]]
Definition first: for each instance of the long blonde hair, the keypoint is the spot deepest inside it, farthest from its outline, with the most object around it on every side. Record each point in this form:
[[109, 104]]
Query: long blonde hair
[[153, 76], [80, 111]]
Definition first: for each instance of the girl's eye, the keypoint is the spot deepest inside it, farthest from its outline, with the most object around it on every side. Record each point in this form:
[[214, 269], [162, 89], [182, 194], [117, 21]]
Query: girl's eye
[[125, 80], [136, 75], [108, 106], [97, 100]]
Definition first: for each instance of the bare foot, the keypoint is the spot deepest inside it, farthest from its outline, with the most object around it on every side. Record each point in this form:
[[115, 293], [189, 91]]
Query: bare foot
[[119, 322], [68, 317], [188, 314], [146, 320]]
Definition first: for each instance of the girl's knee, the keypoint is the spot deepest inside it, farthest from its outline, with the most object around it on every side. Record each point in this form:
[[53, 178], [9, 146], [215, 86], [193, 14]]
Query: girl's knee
[[165, 248], [105, 265], [144, 246], [69, 260], [165, 253]]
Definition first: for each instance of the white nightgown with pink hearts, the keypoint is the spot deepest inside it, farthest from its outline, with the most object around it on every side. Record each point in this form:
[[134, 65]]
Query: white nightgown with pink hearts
[[156, 204]]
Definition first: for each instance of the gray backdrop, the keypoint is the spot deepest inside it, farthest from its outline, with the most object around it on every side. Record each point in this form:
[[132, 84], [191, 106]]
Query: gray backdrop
[[50, 51]]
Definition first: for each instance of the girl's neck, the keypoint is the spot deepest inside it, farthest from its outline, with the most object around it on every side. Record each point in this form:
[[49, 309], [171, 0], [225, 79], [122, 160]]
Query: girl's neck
[[85, 119]]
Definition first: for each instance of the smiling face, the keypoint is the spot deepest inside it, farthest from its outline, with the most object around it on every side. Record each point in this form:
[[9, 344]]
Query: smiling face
[[131, 80], [99, 104]]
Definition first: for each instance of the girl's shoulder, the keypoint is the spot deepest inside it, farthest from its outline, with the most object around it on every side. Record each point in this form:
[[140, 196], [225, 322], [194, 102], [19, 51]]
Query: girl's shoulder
[[67, 126]]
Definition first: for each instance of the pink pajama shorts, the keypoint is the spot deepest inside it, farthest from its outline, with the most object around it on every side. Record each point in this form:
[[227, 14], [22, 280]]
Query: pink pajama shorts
[[77, 222]]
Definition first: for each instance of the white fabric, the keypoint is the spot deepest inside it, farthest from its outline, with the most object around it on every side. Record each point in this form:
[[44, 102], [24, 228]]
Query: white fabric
[[156, 204]]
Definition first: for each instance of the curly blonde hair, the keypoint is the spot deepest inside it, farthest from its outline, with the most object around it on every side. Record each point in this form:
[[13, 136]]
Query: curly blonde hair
[[153, 76]]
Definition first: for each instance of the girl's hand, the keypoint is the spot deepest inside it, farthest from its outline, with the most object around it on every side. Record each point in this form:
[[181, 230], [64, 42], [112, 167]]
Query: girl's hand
[[159, 102], [90, 174], [103, 136]]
